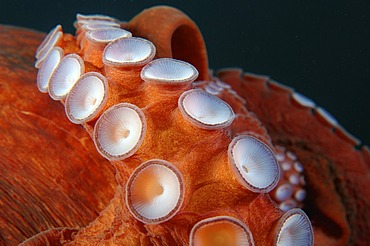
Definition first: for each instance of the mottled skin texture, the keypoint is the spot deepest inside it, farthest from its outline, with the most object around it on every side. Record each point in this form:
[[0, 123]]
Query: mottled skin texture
[[336, 172], [47, 163], [53, 177]]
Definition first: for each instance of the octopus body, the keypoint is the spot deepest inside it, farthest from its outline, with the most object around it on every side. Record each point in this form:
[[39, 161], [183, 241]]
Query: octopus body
[[157, 150]]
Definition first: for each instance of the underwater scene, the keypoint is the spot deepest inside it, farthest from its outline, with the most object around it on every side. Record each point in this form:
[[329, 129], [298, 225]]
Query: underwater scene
[[184, 123]]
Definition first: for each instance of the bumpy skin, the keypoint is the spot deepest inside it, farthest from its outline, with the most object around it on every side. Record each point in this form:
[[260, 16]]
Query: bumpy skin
[[46, 188], [51, 173]]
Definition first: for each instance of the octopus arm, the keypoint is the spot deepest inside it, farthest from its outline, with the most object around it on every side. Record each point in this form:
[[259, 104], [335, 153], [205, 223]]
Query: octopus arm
[[53, 177], [45, 183], [337, 170]]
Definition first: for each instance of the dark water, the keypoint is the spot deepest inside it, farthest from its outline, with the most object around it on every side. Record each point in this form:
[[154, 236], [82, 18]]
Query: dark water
[[320, 48]]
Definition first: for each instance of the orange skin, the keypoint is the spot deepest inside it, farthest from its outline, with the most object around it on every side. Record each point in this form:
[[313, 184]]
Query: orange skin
[[44, 188]]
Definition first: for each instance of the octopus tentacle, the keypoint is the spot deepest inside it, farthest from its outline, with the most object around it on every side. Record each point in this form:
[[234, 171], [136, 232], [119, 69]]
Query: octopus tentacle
[[211, 118], [45, 183], [339, 182], [174, 34], [180, 147]]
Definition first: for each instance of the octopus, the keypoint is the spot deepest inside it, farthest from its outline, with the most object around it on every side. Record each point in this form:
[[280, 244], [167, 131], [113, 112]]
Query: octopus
[[122, 135]]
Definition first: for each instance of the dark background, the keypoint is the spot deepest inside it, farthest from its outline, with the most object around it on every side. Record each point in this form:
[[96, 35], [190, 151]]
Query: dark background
[[320, 48]]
